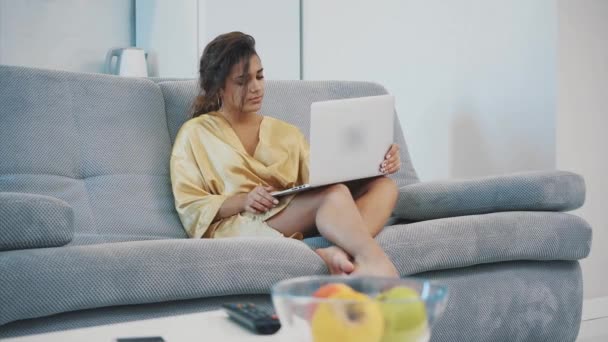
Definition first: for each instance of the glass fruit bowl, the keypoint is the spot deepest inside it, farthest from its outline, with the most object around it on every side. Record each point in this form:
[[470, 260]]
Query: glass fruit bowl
[[358, 308]]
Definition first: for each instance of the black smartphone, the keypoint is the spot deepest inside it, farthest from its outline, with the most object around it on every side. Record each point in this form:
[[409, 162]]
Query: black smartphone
[[141, 339]]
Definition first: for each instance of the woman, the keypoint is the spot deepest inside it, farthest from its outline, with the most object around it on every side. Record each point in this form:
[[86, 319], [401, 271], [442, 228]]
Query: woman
[[228, 158]]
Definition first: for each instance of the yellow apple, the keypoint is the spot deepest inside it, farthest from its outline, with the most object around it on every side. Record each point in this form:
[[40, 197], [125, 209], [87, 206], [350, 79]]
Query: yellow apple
[[324, 292], [404, 313], [349, 316]]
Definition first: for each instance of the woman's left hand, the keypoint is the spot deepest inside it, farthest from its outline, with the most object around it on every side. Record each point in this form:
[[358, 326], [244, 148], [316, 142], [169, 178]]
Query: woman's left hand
[[392, 161]]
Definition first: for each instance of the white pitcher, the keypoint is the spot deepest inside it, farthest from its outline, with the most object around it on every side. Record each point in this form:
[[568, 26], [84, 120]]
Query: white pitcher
[[130, 61]]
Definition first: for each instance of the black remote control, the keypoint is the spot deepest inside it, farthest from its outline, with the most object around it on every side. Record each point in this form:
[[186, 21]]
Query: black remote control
[[256, 319]]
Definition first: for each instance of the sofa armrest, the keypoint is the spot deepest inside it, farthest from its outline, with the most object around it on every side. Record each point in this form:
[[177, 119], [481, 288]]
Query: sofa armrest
[[34, 221], [526, 191]]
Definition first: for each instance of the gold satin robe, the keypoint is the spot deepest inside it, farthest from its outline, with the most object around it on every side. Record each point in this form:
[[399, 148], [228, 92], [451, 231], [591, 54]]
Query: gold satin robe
[[210, 164]]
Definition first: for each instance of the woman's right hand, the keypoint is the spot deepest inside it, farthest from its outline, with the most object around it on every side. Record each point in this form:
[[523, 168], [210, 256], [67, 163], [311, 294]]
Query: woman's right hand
[[259, 200]]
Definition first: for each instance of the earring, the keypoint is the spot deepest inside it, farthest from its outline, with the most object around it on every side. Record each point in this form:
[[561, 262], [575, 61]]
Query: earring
[[219, 106]]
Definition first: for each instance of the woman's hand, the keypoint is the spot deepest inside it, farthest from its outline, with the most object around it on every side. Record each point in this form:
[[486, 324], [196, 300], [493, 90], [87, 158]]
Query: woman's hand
[[259, 200], [392, 161]]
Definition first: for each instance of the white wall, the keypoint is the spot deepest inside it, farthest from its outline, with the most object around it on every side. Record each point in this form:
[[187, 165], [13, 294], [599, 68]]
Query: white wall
[[70, 35], [176, 32], [582, 122], [474, 80], [275, 24], [167, 30]]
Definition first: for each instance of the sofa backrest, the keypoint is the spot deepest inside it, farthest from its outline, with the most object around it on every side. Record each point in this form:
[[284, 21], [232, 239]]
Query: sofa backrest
[[98, 142], [102, 143], [289, 101]]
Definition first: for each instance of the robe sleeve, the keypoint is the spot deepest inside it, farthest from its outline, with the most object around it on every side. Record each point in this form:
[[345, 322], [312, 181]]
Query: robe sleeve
[[303, 172], [194, 202]]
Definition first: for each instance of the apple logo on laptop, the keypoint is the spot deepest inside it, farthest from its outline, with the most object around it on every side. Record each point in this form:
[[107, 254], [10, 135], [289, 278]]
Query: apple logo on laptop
[[354, 137]]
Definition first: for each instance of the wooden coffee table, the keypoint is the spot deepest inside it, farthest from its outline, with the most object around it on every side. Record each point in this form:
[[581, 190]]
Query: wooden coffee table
[[204, 326]]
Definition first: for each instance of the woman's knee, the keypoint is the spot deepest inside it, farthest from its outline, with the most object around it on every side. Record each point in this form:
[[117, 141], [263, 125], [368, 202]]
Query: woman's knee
[[387, 186], [337, 193]]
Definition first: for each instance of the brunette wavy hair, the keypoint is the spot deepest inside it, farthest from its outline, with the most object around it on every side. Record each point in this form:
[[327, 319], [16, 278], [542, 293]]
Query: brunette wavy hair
[[218, 58]]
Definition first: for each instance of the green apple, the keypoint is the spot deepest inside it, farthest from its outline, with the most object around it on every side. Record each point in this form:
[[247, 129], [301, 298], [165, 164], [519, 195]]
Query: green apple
[[405, 316]]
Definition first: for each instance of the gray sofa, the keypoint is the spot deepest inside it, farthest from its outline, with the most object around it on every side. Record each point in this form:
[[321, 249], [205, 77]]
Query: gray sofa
[[89, 234]]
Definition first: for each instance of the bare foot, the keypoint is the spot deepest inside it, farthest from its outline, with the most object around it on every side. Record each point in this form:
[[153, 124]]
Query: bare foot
[[336, 259], [379, 265]]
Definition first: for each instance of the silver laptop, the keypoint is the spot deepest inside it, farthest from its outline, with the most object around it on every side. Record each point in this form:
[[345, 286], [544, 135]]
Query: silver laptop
[[348, 140]]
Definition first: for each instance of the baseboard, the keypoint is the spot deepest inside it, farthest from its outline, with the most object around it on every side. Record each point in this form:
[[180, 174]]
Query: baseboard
[[595, 308]]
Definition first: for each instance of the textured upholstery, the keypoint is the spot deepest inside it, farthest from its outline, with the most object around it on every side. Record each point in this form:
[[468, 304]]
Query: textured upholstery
[[101, 144], [470, 240], [539, 190], [149, 271], [34, 221], [98, 142], [178, 96], [135, 272], [124, 313], [512, 301]]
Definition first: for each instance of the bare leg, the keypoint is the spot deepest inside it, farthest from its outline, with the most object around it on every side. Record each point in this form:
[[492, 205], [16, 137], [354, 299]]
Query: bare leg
[[334, 212], [375, 198]]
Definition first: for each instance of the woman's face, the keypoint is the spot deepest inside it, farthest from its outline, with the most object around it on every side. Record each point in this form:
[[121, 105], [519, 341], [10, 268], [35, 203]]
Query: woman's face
[[250, 85]]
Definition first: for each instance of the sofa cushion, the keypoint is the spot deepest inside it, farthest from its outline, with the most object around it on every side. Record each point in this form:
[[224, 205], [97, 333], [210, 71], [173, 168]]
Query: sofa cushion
[[40, 282], [520, 300], [34, 221], [178, 96], [81, 277], [534, 191], [97, 142], [476, 239]]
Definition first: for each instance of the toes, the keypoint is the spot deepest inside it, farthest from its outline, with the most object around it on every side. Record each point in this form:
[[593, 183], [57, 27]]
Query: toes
[[338, 262], [346, 266], [323, 253], [333, 270], [342, 264]]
